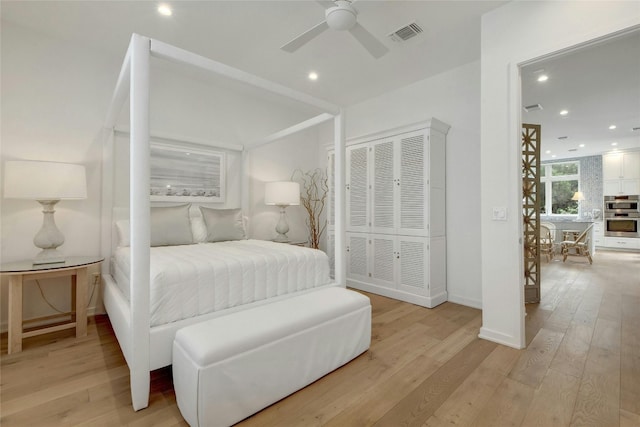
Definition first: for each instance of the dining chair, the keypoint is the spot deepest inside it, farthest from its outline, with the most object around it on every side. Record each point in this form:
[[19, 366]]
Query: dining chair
[[546, 242], [577, 247]]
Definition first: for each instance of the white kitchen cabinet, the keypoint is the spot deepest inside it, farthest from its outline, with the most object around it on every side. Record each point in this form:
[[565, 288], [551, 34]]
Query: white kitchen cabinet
[[622, 242], [621, 173], [395, 209], [598, 234]]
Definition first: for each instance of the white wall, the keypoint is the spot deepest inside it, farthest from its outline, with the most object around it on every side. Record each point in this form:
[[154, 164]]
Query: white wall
[[55, 97], [453, 97], [277, 162], [515, 33]]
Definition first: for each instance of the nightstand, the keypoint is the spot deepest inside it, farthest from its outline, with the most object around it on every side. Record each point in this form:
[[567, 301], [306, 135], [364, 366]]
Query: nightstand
[[20, 272]]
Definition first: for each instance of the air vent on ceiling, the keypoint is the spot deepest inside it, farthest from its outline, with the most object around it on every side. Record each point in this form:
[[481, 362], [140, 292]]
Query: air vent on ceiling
[[563, 137], [635, 128], [532, 107], [406, 32], [573, 149]]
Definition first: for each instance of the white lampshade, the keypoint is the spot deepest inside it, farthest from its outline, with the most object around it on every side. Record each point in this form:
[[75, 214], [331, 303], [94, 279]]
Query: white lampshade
[[282, 193], [578, 196], [44, 180]]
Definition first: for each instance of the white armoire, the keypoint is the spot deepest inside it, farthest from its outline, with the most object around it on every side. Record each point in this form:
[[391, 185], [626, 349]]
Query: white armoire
[[395, 213]]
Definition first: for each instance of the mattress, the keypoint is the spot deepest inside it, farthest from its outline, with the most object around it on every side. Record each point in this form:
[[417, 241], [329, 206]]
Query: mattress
[[191, 280]]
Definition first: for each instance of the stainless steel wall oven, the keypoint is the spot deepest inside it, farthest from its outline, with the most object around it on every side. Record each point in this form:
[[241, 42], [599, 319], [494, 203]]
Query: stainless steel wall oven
[[622, 204], [622, 216]]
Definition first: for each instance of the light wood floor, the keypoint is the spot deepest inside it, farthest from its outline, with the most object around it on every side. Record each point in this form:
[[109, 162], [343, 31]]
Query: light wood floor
[[424, 368]]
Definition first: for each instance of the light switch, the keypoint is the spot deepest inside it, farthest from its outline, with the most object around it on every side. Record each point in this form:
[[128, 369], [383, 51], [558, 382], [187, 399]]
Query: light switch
[[499, 214]]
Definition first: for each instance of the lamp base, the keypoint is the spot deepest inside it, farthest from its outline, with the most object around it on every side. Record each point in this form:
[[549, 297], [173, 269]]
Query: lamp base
[[282, 228], [49, 256], [49, 237], [281, 238]]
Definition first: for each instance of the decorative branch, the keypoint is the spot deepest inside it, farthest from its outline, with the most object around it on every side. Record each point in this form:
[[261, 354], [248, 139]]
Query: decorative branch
[[314, 187]]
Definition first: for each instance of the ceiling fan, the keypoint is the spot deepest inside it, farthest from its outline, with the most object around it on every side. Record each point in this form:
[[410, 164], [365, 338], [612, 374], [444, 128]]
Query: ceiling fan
[[339, 15]]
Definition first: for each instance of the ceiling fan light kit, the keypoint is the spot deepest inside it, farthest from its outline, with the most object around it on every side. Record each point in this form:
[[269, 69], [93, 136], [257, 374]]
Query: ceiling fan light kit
[[342, 16]]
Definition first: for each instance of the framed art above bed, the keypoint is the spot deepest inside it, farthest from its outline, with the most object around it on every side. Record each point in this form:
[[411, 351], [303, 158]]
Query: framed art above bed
[[182, 173]]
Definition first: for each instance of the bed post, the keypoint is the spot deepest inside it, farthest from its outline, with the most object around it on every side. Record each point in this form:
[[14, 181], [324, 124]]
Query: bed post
[[139, 202], [340, 200], [245, 197]]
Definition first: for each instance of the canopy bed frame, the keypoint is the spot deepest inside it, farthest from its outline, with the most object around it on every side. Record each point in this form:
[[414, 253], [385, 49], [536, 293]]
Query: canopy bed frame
[[144, 346]]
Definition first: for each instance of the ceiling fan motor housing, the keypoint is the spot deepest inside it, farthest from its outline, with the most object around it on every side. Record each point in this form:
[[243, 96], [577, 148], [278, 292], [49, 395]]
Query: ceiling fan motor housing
[[342, 16]]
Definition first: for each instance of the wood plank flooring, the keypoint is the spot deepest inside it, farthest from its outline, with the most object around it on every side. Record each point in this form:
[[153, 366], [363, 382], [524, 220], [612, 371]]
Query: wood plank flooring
[[424, 368]]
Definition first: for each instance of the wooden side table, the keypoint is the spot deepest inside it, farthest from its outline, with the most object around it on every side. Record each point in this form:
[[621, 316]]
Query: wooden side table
[[20, 272]]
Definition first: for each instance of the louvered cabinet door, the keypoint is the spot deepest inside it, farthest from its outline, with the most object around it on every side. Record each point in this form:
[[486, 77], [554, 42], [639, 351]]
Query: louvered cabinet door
[[357, 188], [331, 253], [413, 265], [383, 253], [413, 193], [383, 183], [357, 256]]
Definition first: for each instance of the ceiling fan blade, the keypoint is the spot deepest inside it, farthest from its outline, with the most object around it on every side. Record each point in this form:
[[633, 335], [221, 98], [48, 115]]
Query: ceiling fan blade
[[305, 37], [366, 39]]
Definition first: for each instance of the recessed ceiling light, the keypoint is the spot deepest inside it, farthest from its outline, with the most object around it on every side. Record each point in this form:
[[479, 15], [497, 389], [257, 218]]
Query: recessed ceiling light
[[564, 112], [581, 145], [612, 127], [548, 152], [553, 155], [614, 143], [165, 10], [313, 76], [543, 78]]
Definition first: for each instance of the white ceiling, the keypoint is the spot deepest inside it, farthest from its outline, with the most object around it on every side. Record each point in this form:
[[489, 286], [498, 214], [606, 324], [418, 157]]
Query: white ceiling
[[599, 85], [248, 35]]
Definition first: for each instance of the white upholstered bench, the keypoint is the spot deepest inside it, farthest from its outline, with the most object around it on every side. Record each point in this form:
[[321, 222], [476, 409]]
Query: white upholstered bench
[[228, 368]]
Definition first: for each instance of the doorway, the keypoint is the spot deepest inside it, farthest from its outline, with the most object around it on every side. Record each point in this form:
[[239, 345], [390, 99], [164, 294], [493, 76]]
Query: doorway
[[587, 100]]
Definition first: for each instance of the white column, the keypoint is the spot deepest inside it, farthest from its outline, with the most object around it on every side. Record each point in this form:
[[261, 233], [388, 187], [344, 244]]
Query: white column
[[140, 235], [340, 199]]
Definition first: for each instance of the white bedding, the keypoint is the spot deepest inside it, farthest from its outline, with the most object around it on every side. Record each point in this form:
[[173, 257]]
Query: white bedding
[[192, 280]]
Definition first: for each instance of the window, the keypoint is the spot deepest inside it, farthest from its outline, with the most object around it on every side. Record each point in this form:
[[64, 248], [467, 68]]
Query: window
[[558, 183]]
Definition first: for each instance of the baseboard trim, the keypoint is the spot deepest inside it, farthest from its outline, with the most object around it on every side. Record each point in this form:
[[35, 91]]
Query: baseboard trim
[[429, 302], [499, 337], [469, 302]]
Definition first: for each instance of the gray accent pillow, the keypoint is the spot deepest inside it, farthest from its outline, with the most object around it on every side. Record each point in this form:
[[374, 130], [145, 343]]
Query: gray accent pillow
[[170, 225], [223, 224]]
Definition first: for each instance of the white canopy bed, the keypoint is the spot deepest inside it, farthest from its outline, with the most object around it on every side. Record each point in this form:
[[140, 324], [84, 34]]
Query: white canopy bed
[[144, 331]]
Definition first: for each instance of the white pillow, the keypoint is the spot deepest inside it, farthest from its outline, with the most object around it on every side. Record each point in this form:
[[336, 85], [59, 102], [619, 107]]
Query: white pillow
[[198, 229], [223, 224], [170, 225], [122, 228]]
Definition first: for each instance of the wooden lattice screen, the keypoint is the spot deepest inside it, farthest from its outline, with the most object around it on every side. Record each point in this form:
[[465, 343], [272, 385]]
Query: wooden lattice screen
[[531, 210]]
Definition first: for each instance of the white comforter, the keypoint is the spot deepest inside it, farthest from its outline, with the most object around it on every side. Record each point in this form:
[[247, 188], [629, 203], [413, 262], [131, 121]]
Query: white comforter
[[191, 280]]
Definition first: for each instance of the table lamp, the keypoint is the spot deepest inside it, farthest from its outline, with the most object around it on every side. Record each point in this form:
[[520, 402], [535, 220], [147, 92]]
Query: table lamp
[[578, 196], [48, 183], [282, 194]]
